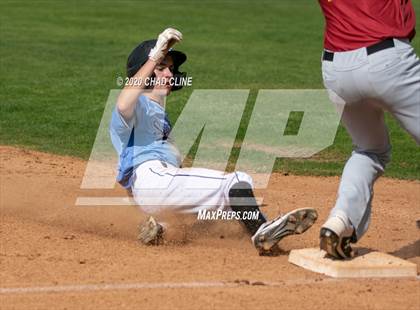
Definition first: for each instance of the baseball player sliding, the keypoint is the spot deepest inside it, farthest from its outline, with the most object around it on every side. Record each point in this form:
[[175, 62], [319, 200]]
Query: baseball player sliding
[[368, 66], [149, 163]]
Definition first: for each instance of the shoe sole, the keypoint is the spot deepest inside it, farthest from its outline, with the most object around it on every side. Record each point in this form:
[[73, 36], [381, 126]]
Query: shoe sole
[[329, 242], [150, 232], [294, 223]]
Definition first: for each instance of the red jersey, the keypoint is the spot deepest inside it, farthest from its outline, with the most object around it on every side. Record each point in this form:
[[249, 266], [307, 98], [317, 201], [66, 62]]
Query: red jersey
[[351, 24]]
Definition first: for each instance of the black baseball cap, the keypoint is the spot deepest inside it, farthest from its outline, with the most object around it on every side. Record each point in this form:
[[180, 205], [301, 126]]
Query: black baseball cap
[[140, 55]]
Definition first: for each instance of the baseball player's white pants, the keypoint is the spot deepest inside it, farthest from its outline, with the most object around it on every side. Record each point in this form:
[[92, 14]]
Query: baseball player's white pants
[[160, 187], [363, 86]]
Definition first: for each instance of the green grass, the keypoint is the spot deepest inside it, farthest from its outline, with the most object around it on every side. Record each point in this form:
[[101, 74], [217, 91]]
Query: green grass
[[59, 59]]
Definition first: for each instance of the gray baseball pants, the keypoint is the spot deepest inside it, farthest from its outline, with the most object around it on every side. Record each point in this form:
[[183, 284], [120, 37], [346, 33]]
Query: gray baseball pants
[[363, 86]]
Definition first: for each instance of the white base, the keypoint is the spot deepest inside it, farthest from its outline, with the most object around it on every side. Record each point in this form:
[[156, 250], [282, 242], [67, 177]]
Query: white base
[[373, 264]]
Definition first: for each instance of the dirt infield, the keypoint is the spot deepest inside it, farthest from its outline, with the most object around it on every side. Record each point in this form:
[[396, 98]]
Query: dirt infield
[[59, 256]]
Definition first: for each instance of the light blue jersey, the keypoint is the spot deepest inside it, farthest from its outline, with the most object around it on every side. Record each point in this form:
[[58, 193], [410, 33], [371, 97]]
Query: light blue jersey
[[144, 137]]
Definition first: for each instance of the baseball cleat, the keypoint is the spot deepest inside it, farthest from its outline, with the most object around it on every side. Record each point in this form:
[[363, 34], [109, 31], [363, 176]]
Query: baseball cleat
[[294, 222], [335, 239], [151, 232]]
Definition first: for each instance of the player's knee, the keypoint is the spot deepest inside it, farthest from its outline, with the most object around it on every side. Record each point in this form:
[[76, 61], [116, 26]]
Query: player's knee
[[240, 189], [240, 176], [239, 184]]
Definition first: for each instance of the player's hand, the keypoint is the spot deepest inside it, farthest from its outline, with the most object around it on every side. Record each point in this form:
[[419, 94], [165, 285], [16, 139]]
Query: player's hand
[[165, 41]]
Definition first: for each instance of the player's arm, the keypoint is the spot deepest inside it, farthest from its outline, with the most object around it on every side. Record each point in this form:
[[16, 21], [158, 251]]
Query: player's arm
[[127, 99]]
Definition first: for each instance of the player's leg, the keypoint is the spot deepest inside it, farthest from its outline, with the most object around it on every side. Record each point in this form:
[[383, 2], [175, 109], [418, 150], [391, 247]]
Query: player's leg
[[398, 85], [394, 79], [347, 79], [265, 235], [161, 188], [350, 217]]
